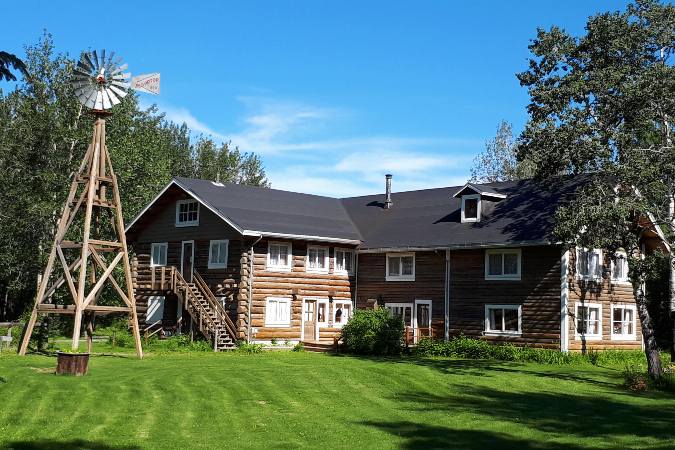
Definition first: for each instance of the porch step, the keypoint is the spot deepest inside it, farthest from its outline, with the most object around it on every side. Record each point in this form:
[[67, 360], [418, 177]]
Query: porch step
[[319, 347]]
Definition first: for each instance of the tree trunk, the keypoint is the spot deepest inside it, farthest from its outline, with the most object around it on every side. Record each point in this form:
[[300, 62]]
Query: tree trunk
[[651, 347]]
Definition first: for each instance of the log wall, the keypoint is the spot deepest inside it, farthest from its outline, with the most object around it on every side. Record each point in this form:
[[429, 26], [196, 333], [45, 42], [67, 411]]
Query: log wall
[[606, 293], [297, 285]]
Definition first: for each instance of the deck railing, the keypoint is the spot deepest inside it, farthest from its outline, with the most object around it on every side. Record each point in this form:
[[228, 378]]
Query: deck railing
[[413, 335]]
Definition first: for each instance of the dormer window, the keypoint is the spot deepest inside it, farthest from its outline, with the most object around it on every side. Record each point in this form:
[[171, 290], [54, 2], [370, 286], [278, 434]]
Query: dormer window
[[471, 208], [472, 196]]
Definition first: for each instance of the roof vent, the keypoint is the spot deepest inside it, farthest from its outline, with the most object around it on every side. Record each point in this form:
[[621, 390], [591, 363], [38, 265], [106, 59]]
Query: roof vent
[[387, 195]]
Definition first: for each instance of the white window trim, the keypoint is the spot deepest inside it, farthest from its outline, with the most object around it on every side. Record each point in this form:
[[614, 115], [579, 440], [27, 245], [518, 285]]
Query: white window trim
[[227, 253], [152, 253], [500, 251], [347, 251], [399, 277], [578, 273], [342, 301], [588, 337], [471, 197], [622, 337], [288, 267], [273, 324], [624, 280], [319, 300], [192, 223], [326, 259], [486, 327]]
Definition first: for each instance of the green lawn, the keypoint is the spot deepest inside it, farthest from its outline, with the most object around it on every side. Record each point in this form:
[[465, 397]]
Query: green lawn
[[291, 400]]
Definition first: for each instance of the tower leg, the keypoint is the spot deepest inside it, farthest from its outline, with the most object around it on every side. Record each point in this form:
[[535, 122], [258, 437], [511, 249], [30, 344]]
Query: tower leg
[[77, 325], [28, 331]]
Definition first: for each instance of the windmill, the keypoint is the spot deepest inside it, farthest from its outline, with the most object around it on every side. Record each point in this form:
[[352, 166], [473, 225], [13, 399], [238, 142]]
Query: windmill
[[89, 257]]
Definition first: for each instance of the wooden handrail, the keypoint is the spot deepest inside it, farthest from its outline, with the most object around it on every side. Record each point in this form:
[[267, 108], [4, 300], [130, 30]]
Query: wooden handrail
[[422, 332], [192, 302], [215, 304]]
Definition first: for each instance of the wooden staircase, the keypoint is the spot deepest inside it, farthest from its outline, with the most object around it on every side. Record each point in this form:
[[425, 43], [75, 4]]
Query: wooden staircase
[[206, 311]]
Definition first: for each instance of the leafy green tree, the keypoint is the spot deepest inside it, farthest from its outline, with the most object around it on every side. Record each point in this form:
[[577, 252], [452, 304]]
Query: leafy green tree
[[603, 104], [7, 60], [44, 133], [499, 162]]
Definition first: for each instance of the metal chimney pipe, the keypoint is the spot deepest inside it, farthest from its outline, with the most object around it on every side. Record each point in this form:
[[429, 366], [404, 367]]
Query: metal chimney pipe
[[387, 199]]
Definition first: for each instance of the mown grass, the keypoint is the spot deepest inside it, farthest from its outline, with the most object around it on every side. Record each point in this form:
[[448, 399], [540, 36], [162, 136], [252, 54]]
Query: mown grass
[[292, 400]]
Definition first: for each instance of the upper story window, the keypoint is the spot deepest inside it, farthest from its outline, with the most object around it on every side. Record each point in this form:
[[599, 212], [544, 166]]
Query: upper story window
[[589, 264], [502, 264], [317, 259], [218, 254], [400, 267], [158, 254], [279, 256], [344, 261], [471, 208], [187, 213], [620, 267]]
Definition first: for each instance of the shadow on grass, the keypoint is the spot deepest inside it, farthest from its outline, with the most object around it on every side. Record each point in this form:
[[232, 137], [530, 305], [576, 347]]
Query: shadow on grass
[[73, 444]]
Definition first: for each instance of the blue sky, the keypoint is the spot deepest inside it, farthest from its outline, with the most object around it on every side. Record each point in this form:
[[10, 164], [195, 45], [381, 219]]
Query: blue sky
[[332, 95]]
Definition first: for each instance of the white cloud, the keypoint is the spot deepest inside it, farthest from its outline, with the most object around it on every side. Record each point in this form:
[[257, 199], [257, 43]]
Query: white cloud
[[301, 152]]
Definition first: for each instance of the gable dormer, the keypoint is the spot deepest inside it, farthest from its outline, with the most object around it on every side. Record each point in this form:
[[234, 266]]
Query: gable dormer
[[472, 196]]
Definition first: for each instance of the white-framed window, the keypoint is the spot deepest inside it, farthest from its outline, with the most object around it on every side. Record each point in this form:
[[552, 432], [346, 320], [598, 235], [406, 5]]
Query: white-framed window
[[589, 264], [344, 261], [187, 213], [342, 312], [317, 259], [623, 322], [158, 254], [278, 312], [620, 267], [400, 267], [402, 310], [588, 321], [471, 208], [279, 256], [503, 319], [503, 264], [218, 250]]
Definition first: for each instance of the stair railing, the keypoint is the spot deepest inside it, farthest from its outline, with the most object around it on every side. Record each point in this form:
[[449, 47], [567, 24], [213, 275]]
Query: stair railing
[[206, 324], [215, 305]]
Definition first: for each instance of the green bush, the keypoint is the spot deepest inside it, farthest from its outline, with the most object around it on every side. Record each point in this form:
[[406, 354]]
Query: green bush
[[373, 332], [299, 347], [179, 343], [635, 379], [249, 348]]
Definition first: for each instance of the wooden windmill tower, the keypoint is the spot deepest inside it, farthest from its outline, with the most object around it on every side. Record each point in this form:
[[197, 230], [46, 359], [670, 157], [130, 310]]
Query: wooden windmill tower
[[89, 253]]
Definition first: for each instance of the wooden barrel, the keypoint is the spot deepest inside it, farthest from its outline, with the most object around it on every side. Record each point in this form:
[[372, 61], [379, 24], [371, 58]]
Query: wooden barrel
[[72, 363]]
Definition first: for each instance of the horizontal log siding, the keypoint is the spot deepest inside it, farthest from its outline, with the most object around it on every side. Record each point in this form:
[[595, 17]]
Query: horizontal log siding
[[606, 293], [538, 291], [429, 284], [281, 284]]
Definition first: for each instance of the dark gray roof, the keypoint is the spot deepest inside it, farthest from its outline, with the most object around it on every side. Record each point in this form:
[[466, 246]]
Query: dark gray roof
[[417, 219], [274, 211], [431, 217]]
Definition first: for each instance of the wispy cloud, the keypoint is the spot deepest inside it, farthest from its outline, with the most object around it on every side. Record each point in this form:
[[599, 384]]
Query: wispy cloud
[[303, 152]]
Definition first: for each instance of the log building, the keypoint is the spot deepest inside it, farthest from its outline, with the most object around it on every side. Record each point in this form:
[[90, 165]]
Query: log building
[[247, 263]]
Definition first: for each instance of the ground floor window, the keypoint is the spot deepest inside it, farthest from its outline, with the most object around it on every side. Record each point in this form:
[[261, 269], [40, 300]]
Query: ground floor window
[[623, 321], [342, 312], [589, 320], [278, 312], [402, 310], [503, 319]]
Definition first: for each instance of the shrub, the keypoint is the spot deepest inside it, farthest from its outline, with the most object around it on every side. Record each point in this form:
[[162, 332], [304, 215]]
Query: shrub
[[121, 338], [299, 347], [373, 332], [635, 379], [248, 348]]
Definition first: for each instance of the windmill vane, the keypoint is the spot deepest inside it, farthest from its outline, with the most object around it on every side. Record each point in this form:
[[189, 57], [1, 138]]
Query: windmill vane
[[100, 82]]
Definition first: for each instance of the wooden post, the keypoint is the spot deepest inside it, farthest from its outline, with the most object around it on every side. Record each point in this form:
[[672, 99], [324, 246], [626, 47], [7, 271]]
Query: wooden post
[[90, 182]]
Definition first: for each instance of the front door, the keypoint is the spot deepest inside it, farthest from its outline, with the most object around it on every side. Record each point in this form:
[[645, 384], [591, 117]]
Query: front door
[[422, 319], [187, 260], [309, 320]]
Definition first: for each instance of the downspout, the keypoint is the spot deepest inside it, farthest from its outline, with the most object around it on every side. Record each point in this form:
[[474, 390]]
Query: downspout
[[356, 279], [250, 289], [447, 295], [564, 300]]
